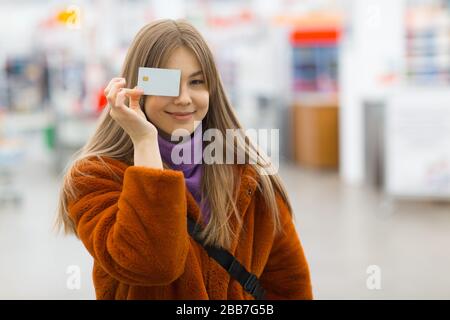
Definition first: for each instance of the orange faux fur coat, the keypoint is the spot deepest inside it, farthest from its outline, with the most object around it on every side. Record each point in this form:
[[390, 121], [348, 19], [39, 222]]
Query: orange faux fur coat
[[136, 231]]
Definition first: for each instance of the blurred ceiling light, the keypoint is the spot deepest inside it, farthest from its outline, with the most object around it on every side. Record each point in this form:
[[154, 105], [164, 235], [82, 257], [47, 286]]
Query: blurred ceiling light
[[70, 17]]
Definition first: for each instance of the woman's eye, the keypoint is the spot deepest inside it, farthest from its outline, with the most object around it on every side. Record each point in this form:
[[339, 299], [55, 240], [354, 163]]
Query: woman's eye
[[197, 81]]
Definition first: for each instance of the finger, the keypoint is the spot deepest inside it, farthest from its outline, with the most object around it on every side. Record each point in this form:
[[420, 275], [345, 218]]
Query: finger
[[111, 83], [115, 87], [134, 95], [139, 90], [120, 99], [108, 87], [107, 91], [134, 92]]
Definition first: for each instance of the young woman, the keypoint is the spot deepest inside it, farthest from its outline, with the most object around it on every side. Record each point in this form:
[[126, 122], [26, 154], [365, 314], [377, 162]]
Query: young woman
[[128, 201]]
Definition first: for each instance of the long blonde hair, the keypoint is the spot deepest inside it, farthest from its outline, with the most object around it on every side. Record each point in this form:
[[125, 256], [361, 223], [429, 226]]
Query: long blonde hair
[[151, 47]]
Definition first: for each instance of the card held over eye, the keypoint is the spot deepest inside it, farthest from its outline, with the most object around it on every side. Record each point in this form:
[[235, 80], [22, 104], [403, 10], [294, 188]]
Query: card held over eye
[[159, 82]]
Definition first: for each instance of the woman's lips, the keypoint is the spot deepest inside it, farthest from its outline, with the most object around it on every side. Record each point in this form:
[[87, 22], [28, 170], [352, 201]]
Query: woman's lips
[[181, 115]]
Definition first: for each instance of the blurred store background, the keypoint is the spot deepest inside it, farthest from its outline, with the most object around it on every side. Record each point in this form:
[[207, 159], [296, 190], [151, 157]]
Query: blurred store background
[[360, 90]]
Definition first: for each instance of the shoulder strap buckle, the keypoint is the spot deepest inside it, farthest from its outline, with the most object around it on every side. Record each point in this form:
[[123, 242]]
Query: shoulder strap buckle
[[251, 283]]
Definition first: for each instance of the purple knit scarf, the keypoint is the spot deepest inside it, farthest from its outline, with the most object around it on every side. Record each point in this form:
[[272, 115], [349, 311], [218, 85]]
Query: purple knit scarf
[[193, 170]]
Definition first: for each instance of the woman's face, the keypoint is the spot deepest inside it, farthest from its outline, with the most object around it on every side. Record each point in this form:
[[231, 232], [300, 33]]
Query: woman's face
[[170, 113]]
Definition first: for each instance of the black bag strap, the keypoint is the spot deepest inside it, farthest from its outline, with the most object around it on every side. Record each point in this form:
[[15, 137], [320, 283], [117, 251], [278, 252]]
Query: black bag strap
[[248, 280]]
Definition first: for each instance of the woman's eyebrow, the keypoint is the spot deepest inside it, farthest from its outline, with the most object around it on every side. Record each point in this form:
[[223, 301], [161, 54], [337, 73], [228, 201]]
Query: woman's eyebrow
[[195, 73]]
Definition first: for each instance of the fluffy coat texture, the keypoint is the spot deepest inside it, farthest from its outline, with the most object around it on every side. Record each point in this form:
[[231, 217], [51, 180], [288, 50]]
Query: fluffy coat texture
[[136, 231]]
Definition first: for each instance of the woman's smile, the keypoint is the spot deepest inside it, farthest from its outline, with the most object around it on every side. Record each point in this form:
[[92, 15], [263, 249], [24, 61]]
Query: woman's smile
[[182, 116]]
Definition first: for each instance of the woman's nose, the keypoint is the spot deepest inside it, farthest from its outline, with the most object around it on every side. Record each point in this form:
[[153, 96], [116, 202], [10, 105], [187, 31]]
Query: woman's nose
[[184, 98]]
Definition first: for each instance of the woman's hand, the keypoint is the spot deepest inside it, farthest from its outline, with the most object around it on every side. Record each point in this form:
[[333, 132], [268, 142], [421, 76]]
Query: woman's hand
[[131, 118]]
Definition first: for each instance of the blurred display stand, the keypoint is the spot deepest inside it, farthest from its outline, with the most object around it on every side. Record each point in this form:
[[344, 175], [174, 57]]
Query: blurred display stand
[[75, 108], [407, 143], [417, 115], [26, 83], [23, 112], [427, 42], [315, 134], [315, 109], [417, 139]]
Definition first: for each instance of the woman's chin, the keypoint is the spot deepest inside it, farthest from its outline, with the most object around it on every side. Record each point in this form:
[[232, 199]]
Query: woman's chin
[[176, 132], [183, 130]]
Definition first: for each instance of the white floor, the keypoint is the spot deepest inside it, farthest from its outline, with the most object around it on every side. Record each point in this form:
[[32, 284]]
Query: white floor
[[344, 230]]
